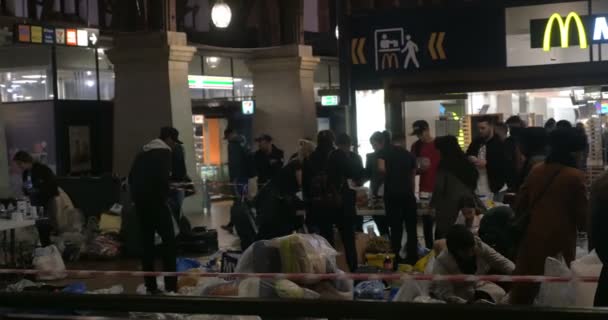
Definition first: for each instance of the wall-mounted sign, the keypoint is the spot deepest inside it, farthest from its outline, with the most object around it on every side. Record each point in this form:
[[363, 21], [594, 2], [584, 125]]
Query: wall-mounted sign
[[393, 43], [248, 107], [330, 101], [198, 119], [569, 31], [207, 82], [25, 33]]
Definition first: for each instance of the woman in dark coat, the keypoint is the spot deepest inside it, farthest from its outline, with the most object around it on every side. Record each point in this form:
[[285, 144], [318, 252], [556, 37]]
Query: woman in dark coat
[[555, 198], [456, 179], [599, 236]]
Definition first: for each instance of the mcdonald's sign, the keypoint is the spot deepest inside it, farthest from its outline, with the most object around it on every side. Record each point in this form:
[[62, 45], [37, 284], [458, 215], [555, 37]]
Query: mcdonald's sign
[[390, 61], [571, 30], [564, 31]]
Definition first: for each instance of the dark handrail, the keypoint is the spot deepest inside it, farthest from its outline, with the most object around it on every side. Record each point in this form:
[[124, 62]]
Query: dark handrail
[[26, 302]]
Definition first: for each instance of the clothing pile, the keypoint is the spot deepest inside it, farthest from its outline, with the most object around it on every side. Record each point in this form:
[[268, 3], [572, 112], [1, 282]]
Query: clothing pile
[[103, 236]]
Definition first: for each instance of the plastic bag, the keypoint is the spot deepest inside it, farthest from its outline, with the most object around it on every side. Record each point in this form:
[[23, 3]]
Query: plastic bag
[[587, 266], [75, 288], [185, 264], [49, 259], [118, 289], [289, 290], [370, 290], [410, 290], [305, 253], [556, 294], [21, 285]]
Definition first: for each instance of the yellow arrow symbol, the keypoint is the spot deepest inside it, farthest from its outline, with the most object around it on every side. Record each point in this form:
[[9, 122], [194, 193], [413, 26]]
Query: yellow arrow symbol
[[440, 49], [360, 53], [353, 51], [432, 46], [356, 51]]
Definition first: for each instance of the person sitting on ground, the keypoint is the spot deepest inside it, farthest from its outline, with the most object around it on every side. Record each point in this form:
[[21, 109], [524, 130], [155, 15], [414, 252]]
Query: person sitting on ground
[[470, 216], [467, 254]]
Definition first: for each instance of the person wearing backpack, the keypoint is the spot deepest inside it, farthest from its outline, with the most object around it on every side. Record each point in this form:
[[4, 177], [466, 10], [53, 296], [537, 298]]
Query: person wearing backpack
[[427, 164]]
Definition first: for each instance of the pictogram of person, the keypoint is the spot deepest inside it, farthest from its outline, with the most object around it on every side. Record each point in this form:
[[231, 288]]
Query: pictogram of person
[[412, 49]]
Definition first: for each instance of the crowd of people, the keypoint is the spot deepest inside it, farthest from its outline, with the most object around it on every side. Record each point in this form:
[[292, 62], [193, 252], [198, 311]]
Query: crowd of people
[[537, 173]]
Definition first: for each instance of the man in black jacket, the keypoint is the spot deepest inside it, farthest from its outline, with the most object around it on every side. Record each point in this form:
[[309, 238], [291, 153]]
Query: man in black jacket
[[149, 184], [40, 185], [487, 153], [268, 160]]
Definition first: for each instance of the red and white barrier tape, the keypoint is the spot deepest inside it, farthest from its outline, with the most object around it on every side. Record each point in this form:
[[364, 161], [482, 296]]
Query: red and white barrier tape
[[310, 277]]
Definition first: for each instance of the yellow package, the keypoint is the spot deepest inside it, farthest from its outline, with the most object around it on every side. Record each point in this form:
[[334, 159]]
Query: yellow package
[[109, 223]]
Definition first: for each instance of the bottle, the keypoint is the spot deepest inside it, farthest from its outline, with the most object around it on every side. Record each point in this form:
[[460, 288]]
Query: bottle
[[388, 263]]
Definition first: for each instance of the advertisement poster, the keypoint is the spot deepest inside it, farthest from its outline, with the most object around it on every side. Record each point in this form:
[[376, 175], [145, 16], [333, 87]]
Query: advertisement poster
[[80, 149]]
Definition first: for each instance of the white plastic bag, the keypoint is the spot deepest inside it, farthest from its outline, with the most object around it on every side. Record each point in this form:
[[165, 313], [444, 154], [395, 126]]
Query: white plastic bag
[[410, 290], [587, 266], [49, 260], [556, 294]]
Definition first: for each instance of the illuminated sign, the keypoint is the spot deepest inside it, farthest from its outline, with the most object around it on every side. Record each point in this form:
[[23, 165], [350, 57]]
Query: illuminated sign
[[60, 36], [601, 29], [207, 82], [71, 39], [569, 31], [564, 31], [198, 119], [36, 34], [83, 38], [48, 36], [330, 101], [248, 107], [26, 33], [23, 32]]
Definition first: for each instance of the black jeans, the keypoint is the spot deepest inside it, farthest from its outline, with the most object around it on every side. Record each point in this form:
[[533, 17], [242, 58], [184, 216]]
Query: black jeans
[[601, 295], [428, 222], [156, 218], [344, 219], [402, 209]]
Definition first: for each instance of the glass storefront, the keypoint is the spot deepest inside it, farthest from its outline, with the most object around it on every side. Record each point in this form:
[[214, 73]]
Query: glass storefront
[[215, 77], [26, 74]]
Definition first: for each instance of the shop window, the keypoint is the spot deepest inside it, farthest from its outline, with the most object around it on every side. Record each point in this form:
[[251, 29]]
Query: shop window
[[243, 80], [221, 85], [107, 77], [76, 79], [195, 68], [25, 73]]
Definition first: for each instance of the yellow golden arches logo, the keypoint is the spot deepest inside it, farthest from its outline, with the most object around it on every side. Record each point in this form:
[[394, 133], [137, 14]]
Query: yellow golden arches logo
[[564, 31]]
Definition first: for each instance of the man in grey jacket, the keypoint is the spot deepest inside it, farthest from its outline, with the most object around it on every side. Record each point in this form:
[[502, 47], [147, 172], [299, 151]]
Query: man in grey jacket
[[467, 254]]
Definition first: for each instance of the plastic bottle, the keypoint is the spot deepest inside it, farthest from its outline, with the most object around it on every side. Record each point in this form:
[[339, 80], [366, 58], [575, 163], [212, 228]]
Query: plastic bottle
[[388, 263]]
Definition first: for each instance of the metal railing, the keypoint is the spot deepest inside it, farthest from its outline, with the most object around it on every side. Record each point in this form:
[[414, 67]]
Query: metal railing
[[24, 306]]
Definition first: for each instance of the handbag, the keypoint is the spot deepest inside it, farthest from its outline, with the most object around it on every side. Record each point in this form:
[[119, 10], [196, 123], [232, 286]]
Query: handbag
[[520, 223]]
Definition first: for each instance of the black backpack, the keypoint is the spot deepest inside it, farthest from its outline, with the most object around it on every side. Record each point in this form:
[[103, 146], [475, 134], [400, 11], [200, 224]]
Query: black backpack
[[323, 193]]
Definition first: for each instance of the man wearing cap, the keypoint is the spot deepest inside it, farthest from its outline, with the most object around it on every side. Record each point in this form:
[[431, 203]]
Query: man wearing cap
[[268, 160], [427, 163], [149, 181]]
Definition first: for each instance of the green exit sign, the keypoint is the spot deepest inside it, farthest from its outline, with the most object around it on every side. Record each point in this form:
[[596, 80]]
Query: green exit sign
[[330, 101]]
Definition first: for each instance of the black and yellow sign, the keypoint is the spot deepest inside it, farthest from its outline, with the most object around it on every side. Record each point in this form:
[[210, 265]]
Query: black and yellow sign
[[408, 42], [357, 53]]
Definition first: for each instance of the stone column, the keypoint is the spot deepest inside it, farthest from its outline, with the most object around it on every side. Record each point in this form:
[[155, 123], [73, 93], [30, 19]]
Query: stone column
[[151, 92], [284, 93], [4, 165]]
